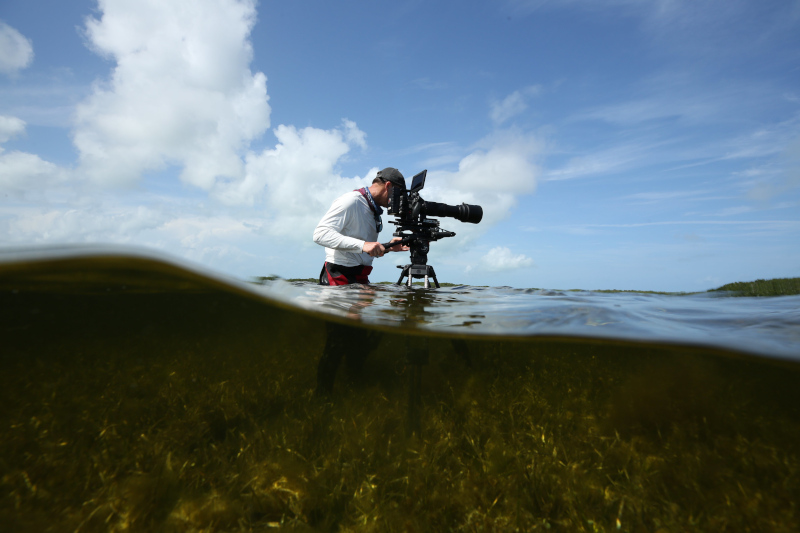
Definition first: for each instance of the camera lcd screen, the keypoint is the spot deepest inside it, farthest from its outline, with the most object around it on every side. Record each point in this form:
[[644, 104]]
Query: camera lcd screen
[[418, 181]]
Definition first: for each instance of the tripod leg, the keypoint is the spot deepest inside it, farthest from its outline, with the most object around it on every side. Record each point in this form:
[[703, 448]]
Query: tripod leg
[[414, 400], [402, 275], [460, 348], [433, 273], [416, 356]]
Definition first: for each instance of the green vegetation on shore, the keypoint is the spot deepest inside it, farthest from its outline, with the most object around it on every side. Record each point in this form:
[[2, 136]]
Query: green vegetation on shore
[[763, 287]]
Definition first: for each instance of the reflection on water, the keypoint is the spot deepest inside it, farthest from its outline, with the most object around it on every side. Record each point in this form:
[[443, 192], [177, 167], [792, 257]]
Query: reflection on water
[[137, 396]]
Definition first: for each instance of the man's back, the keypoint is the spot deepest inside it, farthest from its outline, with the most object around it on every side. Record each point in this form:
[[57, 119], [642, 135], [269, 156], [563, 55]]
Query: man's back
[[344, 229]]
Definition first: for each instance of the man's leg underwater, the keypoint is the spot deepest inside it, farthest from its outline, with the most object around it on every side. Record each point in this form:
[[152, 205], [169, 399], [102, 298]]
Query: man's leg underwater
[[348, 342]]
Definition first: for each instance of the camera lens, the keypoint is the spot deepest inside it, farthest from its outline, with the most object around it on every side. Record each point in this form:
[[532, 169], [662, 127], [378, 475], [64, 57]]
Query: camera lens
[[464, 212], [470, 213]]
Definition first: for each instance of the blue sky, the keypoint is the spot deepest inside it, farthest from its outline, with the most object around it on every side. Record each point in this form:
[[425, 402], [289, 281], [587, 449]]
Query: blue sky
[[649, 145]]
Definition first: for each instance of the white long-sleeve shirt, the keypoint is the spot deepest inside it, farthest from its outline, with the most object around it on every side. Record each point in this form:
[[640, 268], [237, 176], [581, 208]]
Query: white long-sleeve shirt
[[344, 229]]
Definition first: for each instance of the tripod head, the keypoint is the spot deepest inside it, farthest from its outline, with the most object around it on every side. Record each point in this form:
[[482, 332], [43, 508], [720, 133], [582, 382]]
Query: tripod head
[[422, 234]]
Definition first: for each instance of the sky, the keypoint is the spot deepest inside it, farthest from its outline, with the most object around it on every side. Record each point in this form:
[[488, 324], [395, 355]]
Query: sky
[[625, 144]]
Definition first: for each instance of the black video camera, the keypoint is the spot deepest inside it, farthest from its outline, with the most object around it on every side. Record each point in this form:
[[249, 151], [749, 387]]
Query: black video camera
[[408, 206], [411, 213]]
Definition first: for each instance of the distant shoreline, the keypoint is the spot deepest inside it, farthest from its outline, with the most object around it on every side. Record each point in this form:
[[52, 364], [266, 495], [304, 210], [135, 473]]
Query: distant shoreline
[[759, 287]]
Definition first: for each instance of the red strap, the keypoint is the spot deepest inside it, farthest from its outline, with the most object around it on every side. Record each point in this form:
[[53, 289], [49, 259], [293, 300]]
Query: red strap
[[363, 277], [363, 191], [341, 278]]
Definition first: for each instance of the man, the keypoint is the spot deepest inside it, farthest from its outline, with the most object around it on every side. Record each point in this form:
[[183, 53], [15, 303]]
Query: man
[[349, 230], [349, 233]]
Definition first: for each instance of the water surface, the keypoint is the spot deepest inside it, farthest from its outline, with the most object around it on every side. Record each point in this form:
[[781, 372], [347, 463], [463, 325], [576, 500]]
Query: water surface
[[765, 325]]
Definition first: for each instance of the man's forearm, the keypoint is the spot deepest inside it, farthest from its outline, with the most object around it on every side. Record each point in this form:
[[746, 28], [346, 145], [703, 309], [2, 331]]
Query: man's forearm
[[330, 238]]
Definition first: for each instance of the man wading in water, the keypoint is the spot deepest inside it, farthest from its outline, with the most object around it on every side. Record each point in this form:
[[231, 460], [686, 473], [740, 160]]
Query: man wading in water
[[349, 230], [349, 233]]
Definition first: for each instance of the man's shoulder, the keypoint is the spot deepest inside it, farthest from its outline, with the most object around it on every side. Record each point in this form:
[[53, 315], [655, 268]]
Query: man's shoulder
[[355, 194], [350, 198]]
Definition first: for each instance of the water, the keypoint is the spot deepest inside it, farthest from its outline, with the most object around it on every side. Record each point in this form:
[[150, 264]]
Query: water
[[767, 326], [143, 395]]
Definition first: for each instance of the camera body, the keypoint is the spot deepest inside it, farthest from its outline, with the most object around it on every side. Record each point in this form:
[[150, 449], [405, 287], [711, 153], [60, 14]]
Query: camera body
[[409, 207], [402, 202]]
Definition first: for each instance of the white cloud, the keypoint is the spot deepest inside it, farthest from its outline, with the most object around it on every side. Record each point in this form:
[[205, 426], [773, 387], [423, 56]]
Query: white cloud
[[677, 98], [666, 196], [683, 141], [224, 240], [10, 127], [787, 179], [715, 28], [678, 95], [501, 258], [766, 140], [500, 170], [99, 223], [512, 105], [666, 8], [22, 172], [674, 11], [181, 92], [16, 51], [613, 159], [506, 166], [297, 180]]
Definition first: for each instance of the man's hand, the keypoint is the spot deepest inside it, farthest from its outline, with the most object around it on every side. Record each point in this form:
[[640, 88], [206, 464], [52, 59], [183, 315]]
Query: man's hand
[[375, 249], [398, 248]]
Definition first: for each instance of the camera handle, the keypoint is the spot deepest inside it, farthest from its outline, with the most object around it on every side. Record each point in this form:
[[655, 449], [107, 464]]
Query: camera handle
[[404, 240]]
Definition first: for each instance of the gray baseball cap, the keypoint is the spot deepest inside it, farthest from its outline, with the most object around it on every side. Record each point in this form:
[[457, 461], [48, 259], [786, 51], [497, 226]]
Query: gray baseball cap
[[393, 175]]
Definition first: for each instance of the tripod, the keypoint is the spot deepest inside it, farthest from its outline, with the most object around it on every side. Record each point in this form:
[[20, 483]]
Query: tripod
[[419, 242], [419, 267]]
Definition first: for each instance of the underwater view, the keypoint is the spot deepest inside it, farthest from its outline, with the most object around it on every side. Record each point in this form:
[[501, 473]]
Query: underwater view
[[140, 394]]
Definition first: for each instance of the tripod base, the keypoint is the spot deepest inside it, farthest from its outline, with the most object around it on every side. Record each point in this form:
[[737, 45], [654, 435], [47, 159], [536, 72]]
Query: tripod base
[[418, 271]]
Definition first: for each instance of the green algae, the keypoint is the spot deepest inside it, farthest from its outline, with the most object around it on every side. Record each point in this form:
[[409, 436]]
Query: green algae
[[164, 407]]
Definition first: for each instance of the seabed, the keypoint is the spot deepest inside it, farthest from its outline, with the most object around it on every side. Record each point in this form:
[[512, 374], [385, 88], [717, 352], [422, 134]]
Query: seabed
[[173, 405]]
